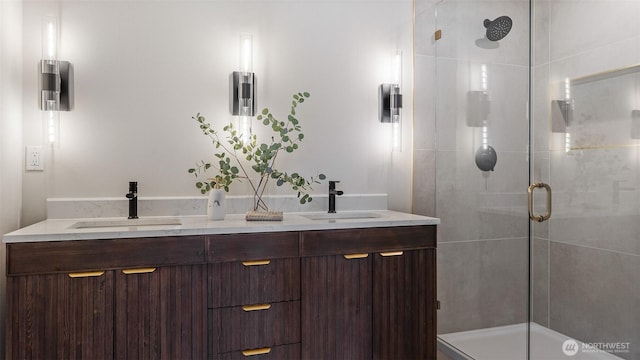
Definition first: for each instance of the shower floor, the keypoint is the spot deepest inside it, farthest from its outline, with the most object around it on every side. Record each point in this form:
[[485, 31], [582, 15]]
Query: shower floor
[[509, 343]]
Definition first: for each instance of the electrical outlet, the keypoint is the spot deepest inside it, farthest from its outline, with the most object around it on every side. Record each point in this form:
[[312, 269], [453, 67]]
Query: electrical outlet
[[33, 158]]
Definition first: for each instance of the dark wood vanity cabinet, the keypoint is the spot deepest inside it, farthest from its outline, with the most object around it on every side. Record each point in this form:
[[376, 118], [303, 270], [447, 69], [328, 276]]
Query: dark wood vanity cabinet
[[353, 293], [376, 304], [254, 298], [106, 299]]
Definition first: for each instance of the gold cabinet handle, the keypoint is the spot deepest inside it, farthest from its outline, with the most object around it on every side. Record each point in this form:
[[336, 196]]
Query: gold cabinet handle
[[260, 351], [256, 262], [355, 256], [138, 271], [86, 274], [392, 253], [256, 307]]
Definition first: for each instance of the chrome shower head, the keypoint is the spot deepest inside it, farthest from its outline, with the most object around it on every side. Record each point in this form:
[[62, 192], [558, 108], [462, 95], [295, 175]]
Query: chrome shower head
[[498, 28]]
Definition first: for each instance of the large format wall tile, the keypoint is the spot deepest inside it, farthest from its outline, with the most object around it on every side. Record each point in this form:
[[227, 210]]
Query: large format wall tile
[[482, 284], [595, 295], [540, 281], [424, 128], [579, 25]]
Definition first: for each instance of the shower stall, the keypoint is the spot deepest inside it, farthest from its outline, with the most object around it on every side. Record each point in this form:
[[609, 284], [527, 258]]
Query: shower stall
[[527, 146]]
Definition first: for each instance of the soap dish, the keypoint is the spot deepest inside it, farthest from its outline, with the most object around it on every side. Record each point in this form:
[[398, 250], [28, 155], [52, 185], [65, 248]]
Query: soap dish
[[264, 216]]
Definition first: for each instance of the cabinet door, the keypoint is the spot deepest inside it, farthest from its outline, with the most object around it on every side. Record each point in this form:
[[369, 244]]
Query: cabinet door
[[57, 316], [404, 309], [161, 313], [336, 307]]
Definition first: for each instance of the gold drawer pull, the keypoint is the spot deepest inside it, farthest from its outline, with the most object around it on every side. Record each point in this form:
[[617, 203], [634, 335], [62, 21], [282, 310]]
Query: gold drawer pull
[[138, 271], [256, 307], [260, 351], [391, 253], [86, 274], [256, 262], [355, 256]]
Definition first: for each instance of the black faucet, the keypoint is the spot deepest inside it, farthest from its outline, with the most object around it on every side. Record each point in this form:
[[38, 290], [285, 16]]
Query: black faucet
[[332, 195], [133, 199]]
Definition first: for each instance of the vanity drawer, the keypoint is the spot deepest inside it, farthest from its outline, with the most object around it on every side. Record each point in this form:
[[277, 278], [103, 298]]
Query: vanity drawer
[[253, 326], [258, 246], [104, 254], [369, 240], [253, 282], [283, 352]]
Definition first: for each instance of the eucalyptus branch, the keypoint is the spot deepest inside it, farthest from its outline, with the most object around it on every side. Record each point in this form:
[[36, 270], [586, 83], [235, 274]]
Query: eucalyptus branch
[[287, 136]]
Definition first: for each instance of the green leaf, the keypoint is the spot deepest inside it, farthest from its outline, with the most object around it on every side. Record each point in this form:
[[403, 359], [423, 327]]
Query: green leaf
[[300, 136], [322, 176], [265, 111], [289, 149], [306, 94], [265, 122], [191, 171], [280, 182], [295, 96], [199, 185], [234, 170]]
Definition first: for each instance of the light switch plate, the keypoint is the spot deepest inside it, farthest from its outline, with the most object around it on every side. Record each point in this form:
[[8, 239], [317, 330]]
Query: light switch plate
[[34, 159]]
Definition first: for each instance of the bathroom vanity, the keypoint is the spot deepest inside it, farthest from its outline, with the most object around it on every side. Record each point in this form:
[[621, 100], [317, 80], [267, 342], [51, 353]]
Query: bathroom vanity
[[297, 289]]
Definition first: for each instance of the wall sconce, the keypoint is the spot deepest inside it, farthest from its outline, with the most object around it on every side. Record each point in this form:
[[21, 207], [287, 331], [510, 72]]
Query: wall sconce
[[562, 111], [56, 81], [242, 97], [390, 101]]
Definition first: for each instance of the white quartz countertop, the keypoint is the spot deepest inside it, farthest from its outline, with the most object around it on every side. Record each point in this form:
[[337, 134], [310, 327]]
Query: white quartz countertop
[[112, 228]]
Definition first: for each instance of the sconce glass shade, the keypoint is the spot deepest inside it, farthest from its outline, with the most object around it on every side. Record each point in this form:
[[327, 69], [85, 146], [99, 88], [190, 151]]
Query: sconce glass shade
[[390, 101], [246, 53], [242, 99], [50, 38], [51, 127], [55, 82]]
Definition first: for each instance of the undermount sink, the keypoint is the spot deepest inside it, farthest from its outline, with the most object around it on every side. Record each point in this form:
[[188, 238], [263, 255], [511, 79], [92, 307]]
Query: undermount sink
[[342, 216], [107, 223]]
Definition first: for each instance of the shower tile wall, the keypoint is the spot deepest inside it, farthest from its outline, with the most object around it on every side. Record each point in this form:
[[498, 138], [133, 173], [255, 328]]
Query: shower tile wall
[[482, 249]]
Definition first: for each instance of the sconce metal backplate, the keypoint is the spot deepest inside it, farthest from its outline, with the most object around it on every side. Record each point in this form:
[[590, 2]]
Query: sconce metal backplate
[[64, 84], [242, 85], [388, 99]]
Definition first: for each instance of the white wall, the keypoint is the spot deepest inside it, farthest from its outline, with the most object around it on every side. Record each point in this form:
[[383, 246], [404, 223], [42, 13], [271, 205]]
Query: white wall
[[10, 130], [143, 68]]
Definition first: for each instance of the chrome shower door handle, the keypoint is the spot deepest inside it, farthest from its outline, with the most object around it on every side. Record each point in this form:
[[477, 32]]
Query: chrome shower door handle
[[547, 214]]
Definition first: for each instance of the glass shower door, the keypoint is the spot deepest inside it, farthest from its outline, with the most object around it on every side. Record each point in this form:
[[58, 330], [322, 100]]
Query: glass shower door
[[482, 175], [586, 125]]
